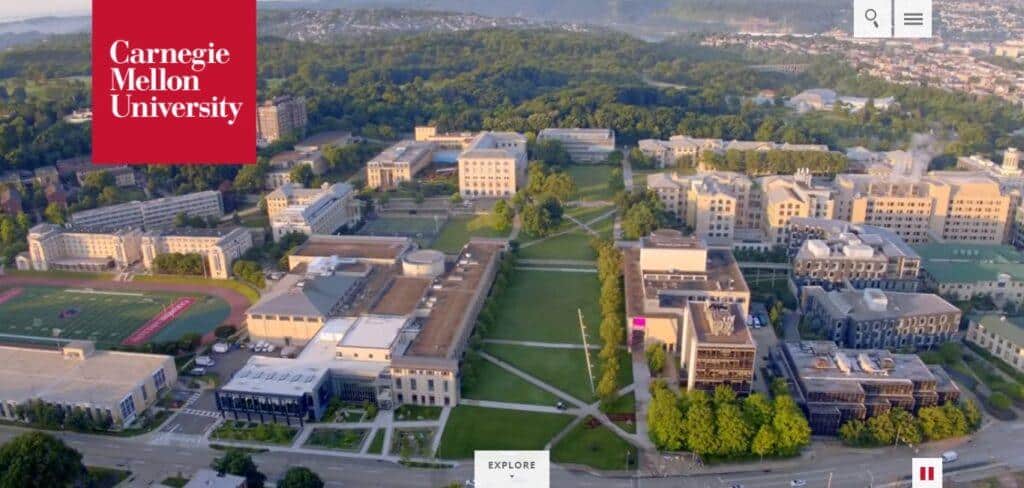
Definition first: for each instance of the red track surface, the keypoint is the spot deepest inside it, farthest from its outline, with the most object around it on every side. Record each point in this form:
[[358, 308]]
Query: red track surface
[[159, 321], [236, 301], [9, 294]]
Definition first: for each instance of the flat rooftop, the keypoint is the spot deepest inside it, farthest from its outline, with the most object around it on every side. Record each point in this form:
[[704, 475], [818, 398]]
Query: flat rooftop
[[968, 263], [356, 247], [852, 303], [299, 295], [276, 376], [402, 296], [373, 331], [739, 335], [823, 366], [453, 303], [1012, 328], [102, 378]]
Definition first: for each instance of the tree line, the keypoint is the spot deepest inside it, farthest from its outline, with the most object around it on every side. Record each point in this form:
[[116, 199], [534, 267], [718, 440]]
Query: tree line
[[898, 426]]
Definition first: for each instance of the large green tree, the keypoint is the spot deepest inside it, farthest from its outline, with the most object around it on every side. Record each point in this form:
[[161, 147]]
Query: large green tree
[[39, 459], [665, 421], [300, 477], [238, 463]]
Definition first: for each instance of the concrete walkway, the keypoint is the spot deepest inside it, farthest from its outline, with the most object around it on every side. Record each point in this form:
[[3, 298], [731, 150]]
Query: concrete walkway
[[559, 270], [524, 407], [556, 262]]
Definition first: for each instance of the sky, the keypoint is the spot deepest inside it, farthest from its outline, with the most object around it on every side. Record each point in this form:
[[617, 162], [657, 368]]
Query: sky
[[21, 9]]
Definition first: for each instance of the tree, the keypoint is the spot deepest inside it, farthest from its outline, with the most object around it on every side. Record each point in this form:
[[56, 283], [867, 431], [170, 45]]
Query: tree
[[733, 432], [790, 426], [607, 387], [934, 424], [536, 221], [239, 463], [55, 213], [300, 477], [971, 414], [665, 421], [39, 459], [638, 222], [764, 442], [250, 272], [855, 433], [757, 410], [908, 431], [655, 358], [724, 395], [700, 424]]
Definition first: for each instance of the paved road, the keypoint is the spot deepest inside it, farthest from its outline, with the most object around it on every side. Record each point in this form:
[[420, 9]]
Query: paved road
[[996, 447]]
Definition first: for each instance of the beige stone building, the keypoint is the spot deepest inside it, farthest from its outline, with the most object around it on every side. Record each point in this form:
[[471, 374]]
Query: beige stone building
[[280, 117], [322, 210], [398, 163], [717, 348], [493, 165], [583, 145], [942, 206], [152, 214], [1001, 336], [786, 197], [282, 165], [219, 248], [667, 153], [119, 386], [53, 248], [714, 204]]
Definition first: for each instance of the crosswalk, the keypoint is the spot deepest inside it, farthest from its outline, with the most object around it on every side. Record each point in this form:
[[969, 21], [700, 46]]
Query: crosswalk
[[201, 413]]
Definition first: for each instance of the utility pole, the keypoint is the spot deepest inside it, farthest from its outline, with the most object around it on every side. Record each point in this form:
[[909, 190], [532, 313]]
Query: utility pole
[[586, 350], [829, 480]]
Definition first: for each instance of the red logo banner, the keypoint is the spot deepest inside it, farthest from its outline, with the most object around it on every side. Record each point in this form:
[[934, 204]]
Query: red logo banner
[[174, 82]]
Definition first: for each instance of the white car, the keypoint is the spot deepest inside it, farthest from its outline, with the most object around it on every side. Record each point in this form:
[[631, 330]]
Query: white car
[[950, 456], [205, 361], [797, 483], [220, 347]]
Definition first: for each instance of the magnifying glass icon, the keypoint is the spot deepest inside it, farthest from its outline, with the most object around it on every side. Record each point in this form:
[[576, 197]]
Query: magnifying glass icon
[[871, 16]]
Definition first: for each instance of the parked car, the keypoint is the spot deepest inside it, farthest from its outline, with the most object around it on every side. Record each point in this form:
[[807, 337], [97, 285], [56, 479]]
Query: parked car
[[197, 371], [221, 347], [561, 405], [205, 361], [796, 483], [950, 456]]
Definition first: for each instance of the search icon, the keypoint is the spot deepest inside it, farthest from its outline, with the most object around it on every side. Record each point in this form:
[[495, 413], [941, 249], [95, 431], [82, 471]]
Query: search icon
[[872, 16]]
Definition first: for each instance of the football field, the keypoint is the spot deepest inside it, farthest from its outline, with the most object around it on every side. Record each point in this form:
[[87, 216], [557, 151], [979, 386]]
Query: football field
[[107, 317]]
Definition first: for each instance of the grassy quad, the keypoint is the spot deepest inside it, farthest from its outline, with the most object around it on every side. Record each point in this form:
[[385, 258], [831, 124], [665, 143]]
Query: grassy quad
[[574, 245], [476, 428], [498, 385], [457, 232], [565, 369], [597, 447], [592, 181], [541, 306], [377, 444], [269, 433], [417, 412]]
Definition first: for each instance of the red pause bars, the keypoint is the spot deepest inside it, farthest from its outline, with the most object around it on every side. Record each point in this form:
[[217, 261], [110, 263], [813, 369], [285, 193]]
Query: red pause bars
[[927, 473]]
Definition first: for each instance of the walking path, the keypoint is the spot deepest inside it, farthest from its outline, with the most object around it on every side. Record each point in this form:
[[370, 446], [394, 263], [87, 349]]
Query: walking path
[[557, 262], [585, 226], [552, 345], [561, 270]]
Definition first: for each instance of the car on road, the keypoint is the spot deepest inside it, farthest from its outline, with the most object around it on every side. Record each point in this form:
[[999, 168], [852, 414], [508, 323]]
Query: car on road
[[205, 361], [561, 406], [221, 347], [950, 456], [197, 371], [796, 483]]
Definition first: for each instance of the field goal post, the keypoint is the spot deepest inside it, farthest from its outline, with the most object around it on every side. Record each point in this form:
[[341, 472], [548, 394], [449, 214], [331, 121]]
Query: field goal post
[[586, 350]]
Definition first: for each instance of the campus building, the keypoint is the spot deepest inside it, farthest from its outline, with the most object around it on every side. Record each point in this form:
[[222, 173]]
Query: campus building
[[493, 164], [56, 248], [373, 320], [835, 385], [282, 165], [280, 117], [583, 145], [398, 163], [678, 294], [714, 204], [321, 210], [667, 153], [123, 176], [963, 271], [943, 206], [218, 247], [872, 318], [716, 348], [833, 254], [786, 197], [152, 214], [1001, 336], [118, 386]]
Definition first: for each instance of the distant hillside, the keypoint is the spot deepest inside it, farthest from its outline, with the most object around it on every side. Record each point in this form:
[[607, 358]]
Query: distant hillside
[[32, 30], [325, 25]]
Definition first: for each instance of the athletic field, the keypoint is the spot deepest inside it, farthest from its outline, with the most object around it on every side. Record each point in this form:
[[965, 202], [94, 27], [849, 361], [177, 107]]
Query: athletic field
[[105, 316], [423, 228]]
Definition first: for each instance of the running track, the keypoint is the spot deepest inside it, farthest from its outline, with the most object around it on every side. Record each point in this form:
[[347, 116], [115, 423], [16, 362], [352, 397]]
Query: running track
[[236, 301]]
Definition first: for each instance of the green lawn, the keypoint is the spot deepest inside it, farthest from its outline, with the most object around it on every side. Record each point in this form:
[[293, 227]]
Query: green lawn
[[623, 404], [477, 428], [377, 445], [107, 317], [574, 245], [565, 369], [417, 412], [541, 306], [458, 230], [592, 181], [342, 439], [412, 442], [495, 384], [597, 447]]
